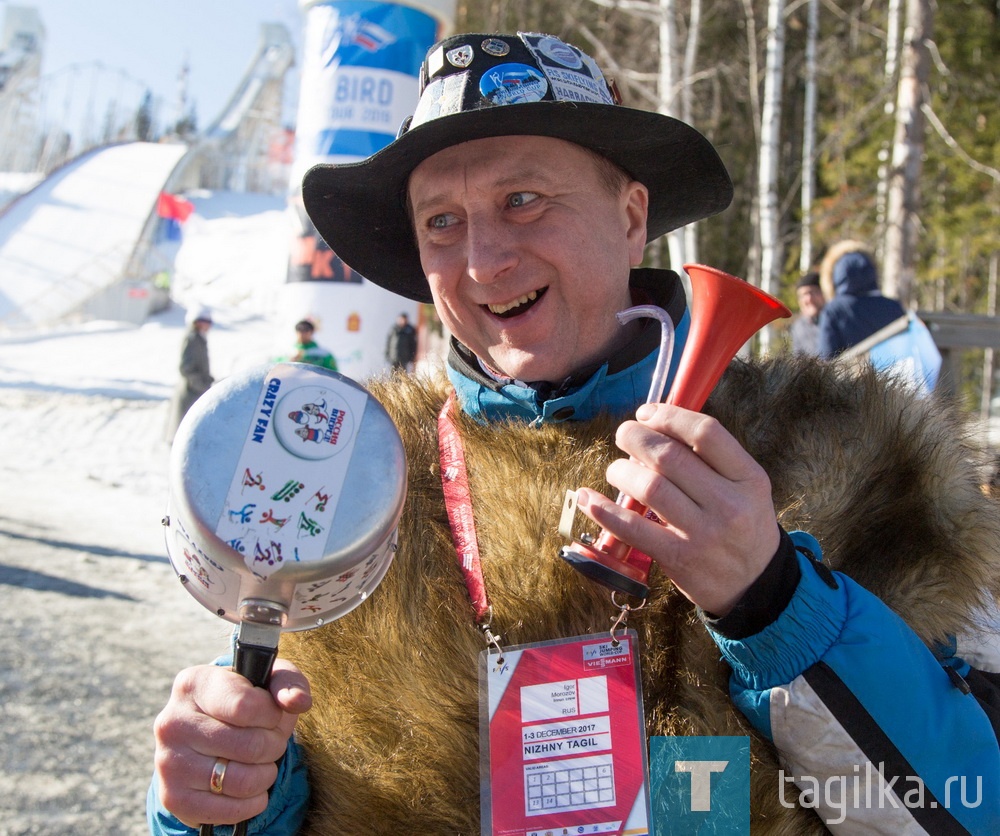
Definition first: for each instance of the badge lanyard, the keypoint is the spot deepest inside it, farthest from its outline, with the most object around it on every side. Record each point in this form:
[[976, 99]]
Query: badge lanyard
[[561, 722], [458, 503]]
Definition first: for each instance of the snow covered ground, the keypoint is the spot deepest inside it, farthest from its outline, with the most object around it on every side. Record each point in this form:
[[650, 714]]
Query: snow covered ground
[[94, 622]]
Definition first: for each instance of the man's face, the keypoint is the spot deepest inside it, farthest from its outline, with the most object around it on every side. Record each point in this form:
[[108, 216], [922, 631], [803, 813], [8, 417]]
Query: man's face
[[810, 300], [527, 252]]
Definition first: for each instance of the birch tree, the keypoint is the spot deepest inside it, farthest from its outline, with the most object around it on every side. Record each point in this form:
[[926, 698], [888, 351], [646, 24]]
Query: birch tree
[[903, 201], [676, 75], [767, 170], [809, 138], [687, 110], [667, 86], [893, 17]]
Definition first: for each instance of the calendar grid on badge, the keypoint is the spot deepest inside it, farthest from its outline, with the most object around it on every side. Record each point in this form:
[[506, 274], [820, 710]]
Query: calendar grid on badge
[[566, 785]]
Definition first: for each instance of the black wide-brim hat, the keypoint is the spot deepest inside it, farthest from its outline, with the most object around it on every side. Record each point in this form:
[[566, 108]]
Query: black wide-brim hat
[[479, 86]]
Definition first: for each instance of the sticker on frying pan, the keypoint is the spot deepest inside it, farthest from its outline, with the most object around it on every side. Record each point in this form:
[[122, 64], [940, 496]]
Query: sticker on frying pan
[[314, 422], [292, 467]]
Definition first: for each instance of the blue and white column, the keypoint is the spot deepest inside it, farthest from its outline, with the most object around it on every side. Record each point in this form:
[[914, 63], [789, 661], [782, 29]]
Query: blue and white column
[[360, 67]]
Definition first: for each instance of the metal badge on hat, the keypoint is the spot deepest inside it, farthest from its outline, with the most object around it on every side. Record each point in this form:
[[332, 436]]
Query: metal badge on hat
[[495, 47], [460, 56], [561, 52]]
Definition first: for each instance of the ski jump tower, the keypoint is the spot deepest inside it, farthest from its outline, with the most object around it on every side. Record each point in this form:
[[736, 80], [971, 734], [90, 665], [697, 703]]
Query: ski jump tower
[[22, 39], [233, 152]]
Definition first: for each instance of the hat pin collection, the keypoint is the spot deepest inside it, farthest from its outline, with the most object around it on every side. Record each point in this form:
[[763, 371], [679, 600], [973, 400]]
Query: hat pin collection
[[287, 483], [725, 312]]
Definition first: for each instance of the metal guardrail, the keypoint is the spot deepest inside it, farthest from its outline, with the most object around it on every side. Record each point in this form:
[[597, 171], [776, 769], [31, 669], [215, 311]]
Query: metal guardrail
[[954, 333]]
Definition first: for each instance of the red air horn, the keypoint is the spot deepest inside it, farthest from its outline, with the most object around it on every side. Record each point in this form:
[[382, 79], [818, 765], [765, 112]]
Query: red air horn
[[725, 313]]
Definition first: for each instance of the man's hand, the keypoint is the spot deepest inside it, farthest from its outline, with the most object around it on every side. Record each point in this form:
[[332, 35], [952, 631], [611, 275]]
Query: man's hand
[[718, 530], [216, 713]]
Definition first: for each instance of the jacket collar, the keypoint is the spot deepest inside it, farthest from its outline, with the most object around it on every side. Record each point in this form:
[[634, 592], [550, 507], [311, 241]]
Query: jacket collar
[[616, 386]]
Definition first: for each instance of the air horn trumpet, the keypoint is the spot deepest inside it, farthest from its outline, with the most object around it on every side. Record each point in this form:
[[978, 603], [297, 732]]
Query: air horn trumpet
[[725, 312]]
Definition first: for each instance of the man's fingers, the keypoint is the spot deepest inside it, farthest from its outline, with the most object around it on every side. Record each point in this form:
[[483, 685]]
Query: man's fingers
[[185, 786], [217, 723], [701, 434], [290, 688], [216, 712]]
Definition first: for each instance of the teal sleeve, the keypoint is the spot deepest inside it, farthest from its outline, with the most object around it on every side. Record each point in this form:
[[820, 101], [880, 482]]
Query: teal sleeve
[[286, 808], [849, 694]]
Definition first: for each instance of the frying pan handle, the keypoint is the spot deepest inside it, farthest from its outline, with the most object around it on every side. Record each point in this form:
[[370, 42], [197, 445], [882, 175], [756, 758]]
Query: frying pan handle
[[256, 650], [254, 661]]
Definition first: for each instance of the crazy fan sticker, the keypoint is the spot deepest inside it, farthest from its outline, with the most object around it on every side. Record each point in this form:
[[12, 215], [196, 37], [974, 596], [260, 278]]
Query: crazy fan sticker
[[509, 84], [198, 568], [292, 468]]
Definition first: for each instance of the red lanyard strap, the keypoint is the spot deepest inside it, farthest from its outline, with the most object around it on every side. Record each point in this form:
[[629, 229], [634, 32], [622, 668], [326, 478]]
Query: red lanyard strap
[[458, 503]]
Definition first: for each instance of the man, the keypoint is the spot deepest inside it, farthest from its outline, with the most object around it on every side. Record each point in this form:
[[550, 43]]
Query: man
[[522, 211], [401, 344], [805, 328], [856, 308], [196, 376], [307, 350]]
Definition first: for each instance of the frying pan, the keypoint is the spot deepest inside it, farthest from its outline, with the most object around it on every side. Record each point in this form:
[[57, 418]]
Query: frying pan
[[287, 482]]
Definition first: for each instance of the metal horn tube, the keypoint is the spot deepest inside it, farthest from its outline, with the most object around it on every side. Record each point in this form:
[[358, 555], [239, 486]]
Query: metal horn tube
[[725, 312]]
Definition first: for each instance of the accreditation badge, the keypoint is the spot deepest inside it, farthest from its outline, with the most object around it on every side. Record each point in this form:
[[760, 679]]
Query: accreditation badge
[[563, 743]]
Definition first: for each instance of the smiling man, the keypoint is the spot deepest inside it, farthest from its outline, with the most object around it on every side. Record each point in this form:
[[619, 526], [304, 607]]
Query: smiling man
[[518, 200], [526, 252]]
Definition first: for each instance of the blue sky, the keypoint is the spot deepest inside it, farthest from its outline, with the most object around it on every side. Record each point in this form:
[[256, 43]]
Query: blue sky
[[148, 40]]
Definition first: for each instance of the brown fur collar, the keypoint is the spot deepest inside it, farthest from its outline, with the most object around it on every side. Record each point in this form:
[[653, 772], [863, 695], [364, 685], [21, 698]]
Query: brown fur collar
[[884, 483]]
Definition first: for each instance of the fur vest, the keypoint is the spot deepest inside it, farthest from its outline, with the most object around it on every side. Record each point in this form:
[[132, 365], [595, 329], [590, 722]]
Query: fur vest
[[886, 484]]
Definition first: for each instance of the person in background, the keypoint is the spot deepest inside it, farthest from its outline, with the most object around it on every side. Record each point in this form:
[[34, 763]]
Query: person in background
[[401, 344], [196, 376], [855, 307], [805, 328], [307, 350], [519, 200]]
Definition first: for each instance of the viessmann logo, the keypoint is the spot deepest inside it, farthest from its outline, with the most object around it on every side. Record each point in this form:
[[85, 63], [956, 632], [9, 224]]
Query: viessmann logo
[[606, 655]]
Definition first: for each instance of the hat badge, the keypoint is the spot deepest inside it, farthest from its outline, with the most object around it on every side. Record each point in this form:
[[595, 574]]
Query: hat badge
[[495, 47], [460, 56]]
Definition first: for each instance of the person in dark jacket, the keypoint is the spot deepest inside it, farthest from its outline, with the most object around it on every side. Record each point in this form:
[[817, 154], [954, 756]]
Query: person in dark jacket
[[401, 345], [196, 376], [855, 307]]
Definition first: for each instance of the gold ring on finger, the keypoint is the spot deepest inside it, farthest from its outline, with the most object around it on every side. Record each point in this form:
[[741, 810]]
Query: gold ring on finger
[[218, 775]]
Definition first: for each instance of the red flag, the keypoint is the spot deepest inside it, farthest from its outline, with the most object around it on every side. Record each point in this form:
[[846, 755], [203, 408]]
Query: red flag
[[173, 207]]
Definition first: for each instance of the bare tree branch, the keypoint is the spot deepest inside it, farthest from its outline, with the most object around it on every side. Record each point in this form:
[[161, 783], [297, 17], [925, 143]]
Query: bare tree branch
[[952, 143], [639, 8]]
